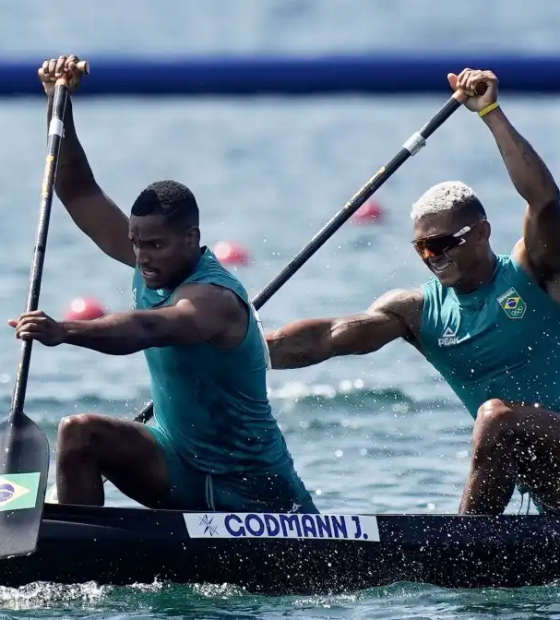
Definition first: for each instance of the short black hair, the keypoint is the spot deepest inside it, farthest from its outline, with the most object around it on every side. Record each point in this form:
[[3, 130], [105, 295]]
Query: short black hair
[[469, 211], [474, 208], [171, 199]]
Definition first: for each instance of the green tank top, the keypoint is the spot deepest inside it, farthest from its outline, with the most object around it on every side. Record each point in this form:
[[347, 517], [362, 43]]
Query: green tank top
[[212, 403], [500, 341]]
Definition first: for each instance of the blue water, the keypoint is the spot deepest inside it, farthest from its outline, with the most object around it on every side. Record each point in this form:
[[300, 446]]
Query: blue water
[[380, 433]]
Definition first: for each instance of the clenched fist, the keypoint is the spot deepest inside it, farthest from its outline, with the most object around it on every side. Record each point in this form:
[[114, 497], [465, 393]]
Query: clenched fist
[[38, 326], [470, 82], [55, 68]]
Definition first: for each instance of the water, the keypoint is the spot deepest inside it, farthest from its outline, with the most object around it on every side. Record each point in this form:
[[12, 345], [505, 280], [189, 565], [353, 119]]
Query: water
[[269, 172]]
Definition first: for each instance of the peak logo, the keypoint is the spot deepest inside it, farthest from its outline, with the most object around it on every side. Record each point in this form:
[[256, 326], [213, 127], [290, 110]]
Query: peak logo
[[449, 337]]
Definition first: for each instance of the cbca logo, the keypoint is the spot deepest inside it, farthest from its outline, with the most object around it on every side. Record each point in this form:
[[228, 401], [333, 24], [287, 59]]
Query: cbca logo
[[209, 526], [512, 304]]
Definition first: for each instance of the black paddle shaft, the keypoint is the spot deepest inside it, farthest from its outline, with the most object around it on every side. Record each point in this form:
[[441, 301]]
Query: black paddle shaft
[[410, 147], [24, 461], [53, 149]]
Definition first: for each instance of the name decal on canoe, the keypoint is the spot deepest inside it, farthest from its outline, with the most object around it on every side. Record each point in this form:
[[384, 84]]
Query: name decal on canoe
[[270, 525]]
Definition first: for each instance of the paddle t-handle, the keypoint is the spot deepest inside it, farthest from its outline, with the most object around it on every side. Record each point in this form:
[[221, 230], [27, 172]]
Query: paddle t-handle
[[83, 66], [481, 88], [461, 96]]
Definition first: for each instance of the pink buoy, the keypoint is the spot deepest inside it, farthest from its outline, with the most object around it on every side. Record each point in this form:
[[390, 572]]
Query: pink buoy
[[230, 253], [369, 213], [84, 309]]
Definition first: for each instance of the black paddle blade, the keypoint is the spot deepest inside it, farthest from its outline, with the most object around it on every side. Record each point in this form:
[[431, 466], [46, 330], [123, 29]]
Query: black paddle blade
[[24, 452]]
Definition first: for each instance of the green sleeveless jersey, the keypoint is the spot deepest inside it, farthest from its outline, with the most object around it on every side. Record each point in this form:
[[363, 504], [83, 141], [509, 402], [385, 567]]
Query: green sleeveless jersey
[[212, 403], [500, 341]]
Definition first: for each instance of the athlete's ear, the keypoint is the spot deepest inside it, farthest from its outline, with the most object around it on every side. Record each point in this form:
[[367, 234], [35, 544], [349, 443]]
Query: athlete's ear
[[485, 229], [193, 235]]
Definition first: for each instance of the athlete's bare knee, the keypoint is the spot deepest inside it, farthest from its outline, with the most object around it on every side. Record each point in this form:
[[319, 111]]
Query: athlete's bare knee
[[495, 421], [77, 433], [495, 416]]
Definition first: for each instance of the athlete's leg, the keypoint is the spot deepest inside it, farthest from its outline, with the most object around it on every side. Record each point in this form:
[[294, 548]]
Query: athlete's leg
[[513, 443], [91, 446]]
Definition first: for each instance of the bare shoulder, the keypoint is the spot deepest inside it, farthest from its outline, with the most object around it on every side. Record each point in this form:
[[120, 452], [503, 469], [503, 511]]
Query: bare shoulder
[[521, 256], [216, 310], [546, 278], [399, 299], [205, 294], [406, 304], [213, 300]]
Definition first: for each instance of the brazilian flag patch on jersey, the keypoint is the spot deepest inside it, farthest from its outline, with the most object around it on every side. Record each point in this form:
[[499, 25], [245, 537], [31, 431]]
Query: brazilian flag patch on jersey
[[512, 304]]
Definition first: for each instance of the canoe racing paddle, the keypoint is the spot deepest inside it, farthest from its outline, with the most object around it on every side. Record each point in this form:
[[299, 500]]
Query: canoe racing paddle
[[410, 147], [24, 456]]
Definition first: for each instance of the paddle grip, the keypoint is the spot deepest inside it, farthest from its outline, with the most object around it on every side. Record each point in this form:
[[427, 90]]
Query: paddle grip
[[83, 66], [481, 88], [462, 97]]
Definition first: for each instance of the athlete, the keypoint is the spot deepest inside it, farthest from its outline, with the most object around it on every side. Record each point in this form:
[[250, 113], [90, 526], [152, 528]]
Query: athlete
[[490, 324], [215, 444]]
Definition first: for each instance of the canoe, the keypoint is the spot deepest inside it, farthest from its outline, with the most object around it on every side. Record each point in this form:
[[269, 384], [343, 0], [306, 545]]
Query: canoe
[[287, 553]]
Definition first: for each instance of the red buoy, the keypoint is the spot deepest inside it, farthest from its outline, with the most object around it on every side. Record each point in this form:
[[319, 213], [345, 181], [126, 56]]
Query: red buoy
[[84, 309], [368, 213], [231, 253]]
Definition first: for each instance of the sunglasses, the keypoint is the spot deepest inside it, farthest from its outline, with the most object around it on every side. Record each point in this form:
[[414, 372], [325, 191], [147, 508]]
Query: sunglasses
[[430, 247]]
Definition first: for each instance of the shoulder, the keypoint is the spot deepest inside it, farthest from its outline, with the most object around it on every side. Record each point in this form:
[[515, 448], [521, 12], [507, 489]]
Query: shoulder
[[521, 257], [519, 253], [403, 304], [208, 298], [399, 300]]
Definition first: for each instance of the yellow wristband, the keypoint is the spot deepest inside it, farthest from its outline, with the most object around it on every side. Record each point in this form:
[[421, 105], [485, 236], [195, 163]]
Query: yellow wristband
[[489, 108]]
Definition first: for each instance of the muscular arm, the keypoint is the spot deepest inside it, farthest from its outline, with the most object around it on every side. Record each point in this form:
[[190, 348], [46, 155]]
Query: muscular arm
[[304, 343], [92, 210], [200, 313], [536, 185]]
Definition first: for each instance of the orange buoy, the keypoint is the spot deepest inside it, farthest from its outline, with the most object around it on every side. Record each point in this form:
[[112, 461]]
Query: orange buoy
[[84, 309], [368, 213], [231, 253]]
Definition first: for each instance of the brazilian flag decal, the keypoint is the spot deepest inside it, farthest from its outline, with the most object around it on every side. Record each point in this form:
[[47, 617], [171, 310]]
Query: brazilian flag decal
[[512, 304], [18, 491]]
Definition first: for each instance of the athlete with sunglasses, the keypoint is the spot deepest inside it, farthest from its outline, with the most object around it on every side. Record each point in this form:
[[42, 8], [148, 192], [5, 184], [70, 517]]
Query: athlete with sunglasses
[[490, 324]]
